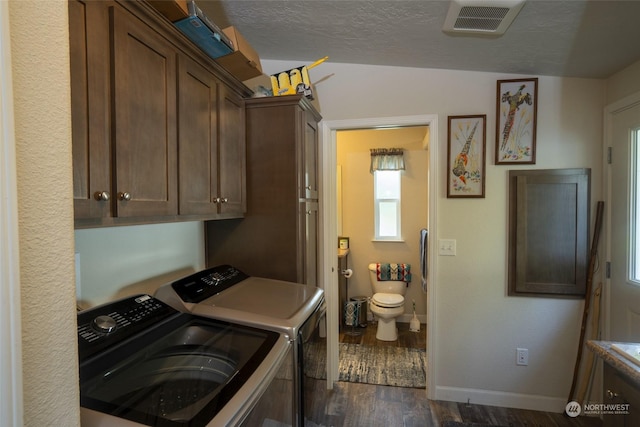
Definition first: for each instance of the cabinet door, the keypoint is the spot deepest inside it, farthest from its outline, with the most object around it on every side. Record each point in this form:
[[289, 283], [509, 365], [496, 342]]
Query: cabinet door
[[308, 241], [89, 57], [198, 139], [144, 114], [232, 153], [309, 161], [619, 391]]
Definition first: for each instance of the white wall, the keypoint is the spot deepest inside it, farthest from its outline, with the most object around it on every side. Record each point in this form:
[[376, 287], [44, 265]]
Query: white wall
[[477, 326], [357, 213], [623, 83], [40, 54]]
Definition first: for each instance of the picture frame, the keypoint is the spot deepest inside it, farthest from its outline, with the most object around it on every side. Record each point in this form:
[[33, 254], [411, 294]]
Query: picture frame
[[516, 121], [466, 162]]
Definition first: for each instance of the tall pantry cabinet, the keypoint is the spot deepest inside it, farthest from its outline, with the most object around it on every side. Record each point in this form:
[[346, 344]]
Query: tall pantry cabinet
[[278, 238]]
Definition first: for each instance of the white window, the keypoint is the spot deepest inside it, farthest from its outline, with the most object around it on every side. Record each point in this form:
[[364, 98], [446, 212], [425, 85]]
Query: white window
[[634, 201], [387, 205]]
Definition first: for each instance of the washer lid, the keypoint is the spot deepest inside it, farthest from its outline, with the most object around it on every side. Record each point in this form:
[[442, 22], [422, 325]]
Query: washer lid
[[388, 300]]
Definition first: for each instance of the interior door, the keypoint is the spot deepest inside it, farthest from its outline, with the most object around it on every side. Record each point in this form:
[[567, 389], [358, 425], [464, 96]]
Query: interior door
[[624, 292]]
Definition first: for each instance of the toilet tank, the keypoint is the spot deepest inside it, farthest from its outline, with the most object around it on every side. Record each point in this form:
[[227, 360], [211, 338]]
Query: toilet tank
[[385, 286]]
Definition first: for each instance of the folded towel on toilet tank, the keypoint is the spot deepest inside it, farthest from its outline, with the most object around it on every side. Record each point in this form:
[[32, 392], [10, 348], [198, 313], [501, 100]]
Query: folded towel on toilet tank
[[396, 272]]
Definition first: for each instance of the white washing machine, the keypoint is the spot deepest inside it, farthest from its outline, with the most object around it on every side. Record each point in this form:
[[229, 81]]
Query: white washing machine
[[224, 292]]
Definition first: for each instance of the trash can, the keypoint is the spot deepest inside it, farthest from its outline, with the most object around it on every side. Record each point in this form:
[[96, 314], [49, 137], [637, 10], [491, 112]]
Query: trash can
[[361, 302], [351, 317]]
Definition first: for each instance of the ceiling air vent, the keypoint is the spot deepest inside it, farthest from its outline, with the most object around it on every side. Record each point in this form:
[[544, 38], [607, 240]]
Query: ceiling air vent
[[483, 17]]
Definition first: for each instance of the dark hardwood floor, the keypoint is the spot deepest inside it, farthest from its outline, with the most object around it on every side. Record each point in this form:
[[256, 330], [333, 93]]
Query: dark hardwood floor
[[352, 404], [367, 336]]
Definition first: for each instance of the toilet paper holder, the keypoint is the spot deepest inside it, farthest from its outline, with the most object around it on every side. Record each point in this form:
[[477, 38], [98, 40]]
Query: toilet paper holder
[[347, 273]]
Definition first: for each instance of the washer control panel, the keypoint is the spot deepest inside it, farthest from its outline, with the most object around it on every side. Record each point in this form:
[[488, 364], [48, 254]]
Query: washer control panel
[[105, 325], [207, 283]]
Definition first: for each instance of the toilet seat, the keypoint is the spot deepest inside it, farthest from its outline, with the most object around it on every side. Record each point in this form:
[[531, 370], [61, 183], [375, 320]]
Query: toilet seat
[[387, 300]]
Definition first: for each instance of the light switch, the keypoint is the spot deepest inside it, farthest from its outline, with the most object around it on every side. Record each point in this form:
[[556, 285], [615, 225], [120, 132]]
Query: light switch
[[447, 247]]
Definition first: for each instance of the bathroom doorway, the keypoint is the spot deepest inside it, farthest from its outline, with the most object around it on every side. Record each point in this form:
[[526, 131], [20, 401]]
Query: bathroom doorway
[[363, 358], [415, 134]]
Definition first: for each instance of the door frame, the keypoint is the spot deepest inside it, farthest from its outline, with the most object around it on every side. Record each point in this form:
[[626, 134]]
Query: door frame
[[328, 220], [11, 381], [609, 113]]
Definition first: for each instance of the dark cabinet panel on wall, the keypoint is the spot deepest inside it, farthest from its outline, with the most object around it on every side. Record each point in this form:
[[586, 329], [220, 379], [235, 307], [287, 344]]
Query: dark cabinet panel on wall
[[278, 238], [548, 231], [158, 127]]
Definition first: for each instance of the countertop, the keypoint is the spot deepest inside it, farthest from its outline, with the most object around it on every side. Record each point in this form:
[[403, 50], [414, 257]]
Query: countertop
[[627, 368]]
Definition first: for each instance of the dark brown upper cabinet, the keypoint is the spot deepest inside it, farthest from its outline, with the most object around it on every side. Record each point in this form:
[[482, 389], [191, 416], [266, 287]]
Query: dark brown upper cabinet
[[158, 128], [90, 94], [212, 143], [144, 112]]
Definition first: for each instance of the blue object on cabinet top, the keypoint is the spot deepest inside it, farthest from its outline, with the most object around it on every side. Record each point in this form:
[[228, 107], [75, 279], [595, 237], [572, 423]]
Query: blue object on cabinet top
[[204, 33]]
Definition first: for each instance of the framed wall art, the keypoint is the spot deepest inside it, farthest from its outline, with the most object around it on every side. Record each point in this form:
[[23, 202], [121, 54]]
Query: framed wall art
[[516, 115], [466, 147]]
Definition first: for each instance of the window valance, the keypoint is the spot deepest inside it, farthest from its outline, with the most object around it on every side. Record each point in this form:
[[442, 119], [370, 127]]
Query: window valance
[[387, 159]]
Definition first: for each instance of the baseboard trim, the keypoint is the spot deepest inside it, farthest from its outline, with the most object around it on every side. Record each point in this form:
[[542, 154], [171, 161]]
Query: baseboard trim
[[502, 399]]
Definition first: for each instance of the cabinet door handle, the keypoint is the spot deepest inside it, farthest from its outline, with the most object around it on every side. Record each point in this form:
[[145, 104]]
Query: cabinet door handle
[[611, 394], [124, 196], [224, 200], [102, 196]]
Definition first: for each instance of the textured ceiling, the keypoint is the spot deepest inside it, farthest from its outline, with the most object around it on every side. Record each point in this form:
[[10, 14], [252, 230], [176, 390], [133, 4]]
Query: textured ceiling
[[574, 38]]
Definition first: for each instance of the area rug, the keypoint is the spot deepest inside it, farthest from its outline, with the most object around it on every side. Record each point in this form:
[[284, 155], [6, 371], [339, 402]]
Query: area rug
[[463, 424], [392, 366]]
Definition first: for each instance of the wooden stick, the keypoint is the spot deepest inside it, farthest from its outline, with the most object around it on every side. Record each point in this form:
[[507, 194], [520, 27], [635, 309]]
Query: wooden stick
[[587, 297], [590, 360]]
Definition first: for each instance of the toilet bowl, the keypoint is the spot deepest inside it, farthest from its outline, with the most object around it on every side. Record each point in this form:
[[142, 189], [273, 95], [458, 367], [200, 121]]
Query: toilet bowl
[[387, 304]]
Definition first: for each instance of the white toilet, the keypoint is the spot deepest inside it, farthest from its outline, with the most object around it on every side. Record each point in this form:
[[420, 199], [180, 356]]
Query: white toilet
[[386, 304]]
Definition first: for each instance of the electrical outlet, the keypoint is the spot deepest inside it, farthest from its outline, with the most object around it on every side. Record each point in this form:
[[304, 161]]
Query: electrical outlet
[[522, 356]]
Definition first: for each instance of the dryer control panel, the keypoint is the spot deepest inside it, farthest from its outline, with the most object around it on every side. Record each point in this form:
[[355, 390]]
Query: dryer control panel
[[207, 283]]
